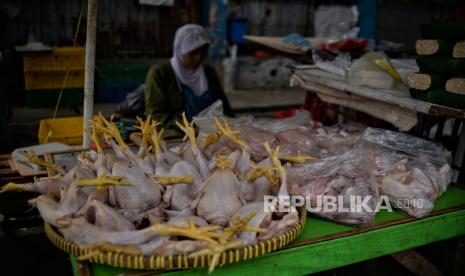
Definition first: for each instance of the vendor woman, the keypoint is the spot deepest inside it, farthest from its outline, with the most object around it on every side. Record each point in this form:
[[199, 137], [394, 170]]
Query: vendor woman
[[183, 83]]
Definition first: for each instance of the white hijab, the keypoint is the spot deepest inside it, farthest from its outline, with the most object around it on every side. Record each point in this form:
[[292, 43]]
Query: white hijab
[[187, 38]]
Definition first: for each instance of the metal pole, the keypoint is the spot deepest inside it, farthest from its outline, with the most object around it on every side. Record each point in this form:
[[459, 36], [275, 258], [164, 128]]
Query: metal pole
[[90, 65]]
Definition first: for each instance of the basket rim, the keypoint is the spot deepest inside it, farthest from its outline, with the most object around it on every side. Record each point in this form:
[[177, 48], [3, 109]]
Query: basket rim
[[176, 262]]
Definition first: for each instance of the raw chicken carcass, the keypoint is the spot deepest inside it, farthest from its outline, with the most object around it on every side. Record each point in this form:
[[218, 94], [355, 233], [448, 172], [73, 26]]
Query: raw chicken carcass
[[261, 181], [219, 198], [192, 153], [259, 218], [49, 209], [183, 182], [106, 217], [410, 171], [411, 184], [277, 227], [46, 185], [112, 134], [255, 138], [144, 192]]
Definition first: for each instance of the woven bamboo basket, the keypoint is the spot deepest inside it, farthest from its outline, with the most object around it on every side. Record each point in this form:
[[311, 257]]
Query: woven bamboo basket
[[176, 262]]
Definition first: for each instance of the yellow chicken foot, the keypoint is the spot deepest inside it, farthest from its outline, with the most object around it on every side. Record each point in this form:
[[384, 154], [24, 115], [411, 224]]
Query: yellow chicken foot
[[33, 158], [98, 249], [92, 131], [103, 180], [191, 225], [258, 171], [111, 130], [254, 173], [223, 162], [156, 138], [188, 129], [170, 180], [274, 156], [238, 225], [46, 178], [271, 176], [146, 128], [191, 231], [12, 187], [210, 139], [299, 158], [97, 123], [216, 250], [229, 133]]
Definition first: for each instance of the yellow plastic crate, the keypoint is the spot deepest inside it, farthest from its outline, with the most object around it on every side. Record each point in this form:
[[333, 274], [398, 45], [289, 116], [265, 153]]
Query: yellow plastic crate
[[53, 80], [66, 130], [59, 59], [47, 70]]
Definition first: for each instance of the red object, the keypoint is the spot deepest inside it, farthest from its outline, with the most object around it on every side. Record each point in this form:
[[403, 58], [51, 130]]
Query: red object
[[261, 54], [284, 114], [348, 45]]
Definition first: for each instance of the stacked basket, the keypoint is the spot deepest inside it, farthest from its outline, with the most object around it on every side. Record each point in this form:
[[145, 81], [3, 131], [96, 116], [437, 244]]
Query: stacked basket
[[441, 51], [47, 73]]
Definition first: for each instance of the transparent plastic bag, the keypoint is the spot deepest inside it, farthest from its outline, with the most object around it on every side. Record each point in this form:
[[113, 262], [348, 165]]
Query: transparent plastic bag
[[411, 184], [342, 176], [408, 144], [300, 118], [297, 140], [337, 139], [255, 138], [410, 171], [204, 120]]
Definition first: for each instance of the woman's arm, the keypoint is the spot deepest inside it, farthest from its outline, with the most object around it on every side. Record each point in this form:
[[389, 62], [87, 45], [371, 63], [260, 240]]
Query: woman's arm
[[156, 102], [218, 91]]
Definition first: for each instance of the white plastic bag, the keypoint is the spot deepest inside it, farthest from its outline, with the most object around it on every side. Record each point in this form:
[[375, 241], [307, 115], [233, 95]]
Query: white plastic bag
[[373, 70]]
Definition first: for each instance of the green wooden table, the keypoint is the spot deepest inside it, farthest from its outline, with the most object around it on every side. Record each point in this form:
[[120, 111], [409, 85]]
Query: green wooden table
[[325, 245]]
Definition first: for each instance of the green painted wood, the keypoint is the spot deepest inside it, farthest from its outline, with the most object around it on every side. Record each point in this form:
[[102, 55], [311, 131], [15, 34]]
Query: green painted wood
[[333, 252], [441, 65], [343, 251], [452, 31], [442, 97], [74, 265]]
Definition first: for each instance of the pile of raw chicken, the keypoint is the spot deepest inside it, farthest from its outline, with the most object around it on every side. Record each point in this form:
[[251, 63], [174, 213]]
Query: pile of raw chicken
[[207, 195], [159, 202]]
